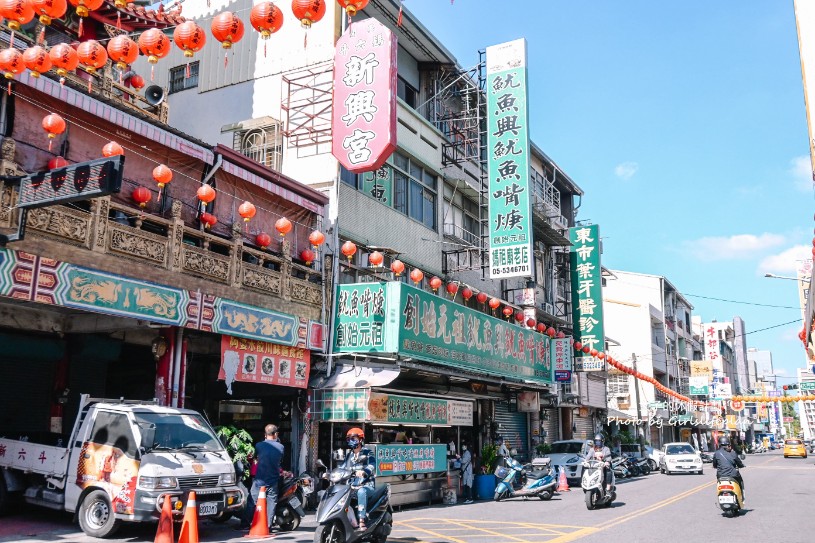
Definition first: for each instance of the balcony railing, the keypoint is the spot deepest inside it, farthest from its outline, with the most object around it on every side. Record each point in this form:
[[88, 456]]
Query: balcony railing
[[459, 233]]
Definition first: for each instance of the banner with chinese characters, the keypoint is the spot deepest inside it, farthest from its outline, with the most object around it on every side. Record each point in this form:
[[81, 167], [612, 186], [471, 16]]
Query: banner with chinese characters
[[398, 318], [410, 409], [701, 373], [562, 359], [409, 459], [342, 404], [378, 184], [250, 361], [508, 157], [364, 106], [587, 295]]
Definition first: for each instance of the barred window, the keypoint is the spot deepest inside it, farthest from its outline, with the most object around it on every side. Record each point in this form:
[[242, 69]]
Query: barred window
[[263, 144], [179, 80], [618, 385]]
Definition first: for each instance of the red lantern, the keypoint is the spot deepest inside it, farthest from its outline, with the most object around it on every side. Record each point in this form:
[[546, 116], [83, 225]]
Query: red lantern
[[397, 267], [57, 162], [64, 57], [416, 276], [49, 9], [550, 332], [352, 6], [206, 193], [123, 51], [307, 255], [593, 352], [54, 125], [83, 7], [266, 18], [92, 55], [561, 335], [452, 288], [112, 149], [481, 297], [316, 238], [494, 303], [227, 28], [466, 293], [578, 346], [263, 240], [247, 211], [507, 311], [208, 220], [18, 12], [435, 283], [141, 196], [163, 175], [154, 44], [308, 11], [530, 323], [601, 355], [189, 37], [348, 249], [283, 226], [519, 317], [375, 259], [136, 81], [11, 63], [37, 60]]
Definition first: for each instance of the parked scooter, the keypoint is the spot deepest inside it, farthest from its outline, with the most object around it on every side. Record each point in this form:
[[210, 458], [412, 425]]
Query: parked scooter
[[336, 517], [642, 465], [729, 496], [619, 467], [532, 480], [706, 457], [291, 496], [594, 489]]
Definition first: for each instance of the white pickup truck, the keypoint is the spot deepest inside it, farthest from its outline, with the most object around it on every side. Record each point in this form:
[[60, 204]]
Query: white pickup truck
[[122, 458]]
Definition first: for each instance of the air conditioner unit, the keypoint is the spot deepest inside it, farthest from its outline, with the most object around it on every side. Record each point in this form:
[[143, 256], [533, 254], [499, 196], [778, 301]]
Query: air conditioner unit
[[549, 308]]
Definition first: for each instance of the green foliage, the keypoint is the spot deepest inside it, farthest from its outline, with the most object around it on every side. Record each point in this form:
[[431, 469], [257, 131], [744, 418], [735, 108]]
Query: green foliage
[[238, 443], [489, 458], [543, 448]]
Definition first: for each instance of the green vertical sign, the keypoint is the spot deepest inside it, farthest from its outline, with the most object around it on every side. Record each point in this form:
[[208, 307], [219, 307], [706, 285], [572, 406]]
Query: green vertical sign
[[508, 157], [587, 295], [378, 184]]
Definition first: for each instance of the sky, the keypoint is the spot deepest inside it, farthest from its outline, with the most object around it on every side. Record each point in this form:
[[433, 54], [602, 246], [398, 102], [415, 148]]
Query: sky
[[684, 123]]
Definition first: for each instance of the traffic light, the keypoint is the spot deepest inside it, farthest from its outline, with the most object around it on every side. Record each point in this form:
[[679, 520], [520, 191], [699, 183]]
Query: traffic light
[[785, 387], [793, 387]]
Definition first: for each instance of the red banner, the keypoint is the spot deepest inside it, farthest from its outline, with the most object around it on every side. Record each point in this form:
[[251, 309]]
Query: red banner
[[250, 361]]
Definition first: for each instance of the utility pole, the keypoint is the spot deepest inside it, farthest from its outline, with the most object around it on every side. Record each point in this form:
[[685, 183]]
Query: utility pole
[[637, 399]]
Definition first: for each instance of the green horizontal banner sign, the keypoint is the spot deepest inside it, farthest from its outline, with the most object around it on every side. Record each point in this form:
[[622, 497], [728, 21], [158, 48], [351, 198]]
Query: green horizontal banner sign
[[409, 459]]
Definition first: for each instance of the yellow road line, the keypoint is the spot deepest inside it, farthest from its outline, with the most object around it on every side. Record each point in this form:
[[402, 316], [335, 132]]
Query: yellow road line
[[433, 533], [490, 532], [432, 519]]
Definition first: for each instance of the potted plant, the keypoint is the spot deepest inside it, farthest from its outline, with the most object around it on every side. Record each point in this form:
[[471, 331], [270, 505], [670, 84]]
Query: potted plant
[[542, 449], [238, 443], [485, 480]]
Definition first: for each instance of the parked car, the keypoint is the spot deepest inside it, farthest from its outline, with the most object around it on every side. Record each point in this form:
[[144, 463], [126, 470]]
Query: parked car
[[680, 457], [794, 447], [568, 454]]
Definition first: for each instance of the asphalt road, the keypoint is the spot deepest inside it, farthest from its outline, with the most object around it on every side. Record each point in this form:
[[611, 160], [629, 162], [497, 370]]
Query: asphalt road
[[676, 508]]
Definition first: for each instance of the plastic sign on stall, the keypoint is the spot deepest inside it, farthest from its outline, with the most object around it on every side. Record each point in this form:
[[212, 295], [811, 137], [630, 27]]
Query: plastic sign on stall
[[410, 459]]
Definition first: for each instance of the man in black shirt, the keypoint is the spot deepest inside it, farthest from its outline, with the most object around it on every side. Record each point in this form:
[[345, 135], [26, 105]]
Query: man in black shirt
[[727, 463]]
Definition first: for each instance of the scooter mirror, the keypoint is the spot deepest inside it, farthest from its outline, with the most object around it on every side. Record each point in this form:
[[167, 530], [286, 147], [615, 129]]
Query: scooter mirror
[[320, 464]]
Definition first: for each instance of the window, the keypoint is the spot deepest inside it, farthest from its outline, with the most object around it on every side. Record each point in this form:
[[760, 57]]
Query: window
[[407, 92], [263, 144], [179, 80], [113, 429], [618, 385], [461, 216], [414, 191], [349, 178]]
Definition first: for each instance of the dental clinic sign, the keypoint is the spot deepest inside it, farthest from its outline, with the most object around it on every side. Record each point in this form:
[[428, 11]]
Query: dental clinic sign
[[587, 295], [508, 157], [363, 120]]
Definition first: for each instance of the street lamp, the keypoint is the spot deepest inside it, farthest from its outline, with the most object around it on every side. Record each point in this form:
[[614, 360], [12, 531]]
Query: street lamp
[[774, 276]]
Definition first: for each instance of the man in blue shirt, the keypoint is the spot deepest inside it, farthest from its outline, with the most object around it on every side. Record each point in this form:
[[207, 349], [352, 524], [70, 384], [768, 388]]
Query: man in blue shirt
[[268, 454]]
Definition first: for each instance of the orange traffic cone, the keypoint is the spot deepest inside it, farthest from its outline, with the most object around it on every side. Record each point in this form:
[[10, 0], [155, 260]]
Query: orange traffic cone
[[562, 483], [189, 526], [164, 534], [260, 521]]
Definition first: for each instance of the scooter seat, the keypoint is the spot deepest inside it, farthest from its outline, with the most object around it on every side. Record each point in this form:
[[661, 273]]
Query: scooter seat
[[539, 474]]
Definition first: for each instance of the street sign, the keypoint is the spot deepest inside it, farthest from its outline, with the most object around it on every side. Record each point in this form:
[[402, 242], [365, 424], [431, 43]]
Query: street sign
[[81, 181], [807, 385], [563, 375], [787, 419]]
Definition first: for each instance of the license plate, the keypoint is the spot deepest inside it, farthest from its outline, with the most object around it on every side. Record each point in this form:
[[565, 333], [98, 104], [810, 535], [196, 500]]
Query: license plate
[[208, 508], [294, 502], [727, 499]]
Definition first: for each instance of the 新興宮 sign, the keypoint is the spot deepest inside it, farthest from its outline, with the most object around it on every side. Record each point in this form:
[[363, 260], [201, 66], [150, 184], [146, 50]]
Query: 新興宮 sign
[[587, 295], [508, 158], [364, 113], [398, 318]]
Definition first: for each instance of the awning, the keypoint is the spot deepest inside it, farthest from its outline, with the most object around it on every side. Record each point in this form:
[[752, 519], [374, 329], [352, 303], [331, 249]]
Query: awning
[[346, 376]]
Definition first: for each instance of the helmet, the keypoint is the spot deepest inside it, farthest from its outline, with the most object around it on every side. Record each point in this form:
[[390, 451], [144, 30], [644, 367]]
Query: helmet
[[724, 442], [598, 440], [355, 432]]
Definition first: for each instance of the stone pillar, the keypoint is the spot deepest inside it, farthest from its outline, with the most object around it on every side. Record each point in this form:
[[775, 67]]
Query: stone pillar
[[285, 270], [100, 209], [176, 238]]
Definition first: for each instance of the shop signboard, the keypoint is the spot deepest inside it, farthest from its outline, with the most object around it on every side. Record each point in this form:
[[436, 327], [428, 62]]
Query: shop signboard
[[698, 386], [587, 295], [251, 361], [410, 459], [561, 353], [342, 404], [398, 318], [393, 408], [807, 385]]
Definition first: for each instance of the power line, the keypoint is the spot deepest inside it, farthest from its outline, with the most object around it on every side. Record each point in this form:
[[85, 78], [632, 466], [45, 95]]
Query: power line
[[740, 302]]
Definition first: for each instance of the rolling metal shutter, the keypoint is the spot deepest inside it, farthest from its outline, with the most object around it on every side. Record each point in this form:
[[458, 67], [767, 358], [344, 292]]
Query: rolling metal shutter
[[513, 427], [584, 427], [552, 425]]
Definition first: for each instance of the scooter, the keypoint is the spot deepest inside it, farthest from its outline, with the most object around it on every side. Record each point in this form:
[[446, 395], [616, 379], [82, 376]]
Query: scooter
[[642, 465], [729, 496], [336, 517], [531, 480], [619, 468], [291, 496], [594, 489]]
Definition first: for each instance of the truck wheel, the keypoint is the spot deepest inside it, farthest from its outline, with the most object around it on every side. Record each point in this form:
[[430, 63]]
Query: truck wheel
[[96, 516]]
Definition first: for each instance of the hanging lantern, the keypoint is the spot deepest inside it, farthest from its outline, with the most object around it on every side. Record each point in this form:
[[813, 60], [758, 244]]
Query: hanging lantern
[[155, 45], [205, 193], [267, 19], [283, 226], [189, 37], [316, 238], [352, 6], [416, 276], [123, 51], [435, 283], [112, 149], [83, 9], [54, 125], [11, 63], [494, 303], [227, 28], [540, 327], [141, 196], [307, 255], [561, 335], [163, 175], [507, 311], [452, 289], [49, 9], [481, 297], [92, 55], [137, 81], [550, 332], [519, 316], [308, 11], [208, 220], [397, 267], [348, 249], [247, 211], [263, 240], [601, 355], [16, 12], [57, 162], [586, 349], [466, 293], [530, 323], [64, 57], [578, 346], [36, 59], [375, 259]]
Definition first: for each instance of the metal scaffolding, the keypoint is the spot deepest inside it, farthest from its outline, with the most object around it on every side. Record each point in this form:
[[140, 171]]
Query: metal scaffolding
[[308, 93]]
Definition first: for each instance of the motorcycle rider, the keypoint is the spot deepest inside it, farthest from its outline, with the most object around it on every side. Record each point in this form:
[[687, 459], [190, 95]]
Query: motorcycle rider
[[365, 478], [602, 453], [727, 463]]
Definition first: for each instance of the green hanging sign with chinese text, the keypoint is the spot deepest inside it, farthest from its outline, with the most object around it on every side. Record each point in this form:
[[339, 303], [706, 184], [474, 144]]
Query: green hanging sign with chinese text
[[587, 295]]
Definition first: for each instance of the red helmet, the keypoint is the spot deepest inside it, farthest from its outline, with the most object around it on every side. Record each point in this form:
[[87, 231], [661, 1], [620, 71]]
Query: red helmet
[[355, 432]]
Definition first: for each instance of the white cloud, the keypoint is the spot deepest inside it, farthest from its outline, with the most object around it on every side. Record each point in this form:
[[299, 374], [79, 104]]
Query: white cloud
[[734, 247], [785, 262], [801, 171], [626, 170]]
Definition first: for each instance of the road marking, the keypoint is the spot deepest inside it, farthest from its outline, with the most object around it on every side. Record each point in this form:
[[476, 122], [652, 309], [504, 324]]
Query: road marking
[[656, 506], [538, 530], [431, 532]]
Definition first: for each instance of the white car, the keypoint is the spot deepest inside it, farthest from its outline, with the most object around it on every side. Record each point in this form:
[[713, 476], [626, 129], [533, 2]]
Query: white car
[[680, 457], [568, 454]]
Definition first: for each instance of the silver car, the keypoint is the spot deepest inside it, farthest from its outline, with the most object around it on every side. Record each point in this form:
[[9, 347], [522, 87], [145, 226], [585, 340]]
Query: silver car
[[680, 457], [569, 455]]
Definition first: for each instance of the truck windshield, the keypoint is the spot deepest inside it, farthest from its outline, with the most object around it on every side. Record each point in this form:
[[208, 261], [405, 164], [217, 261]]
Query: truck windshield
[[179, 431]]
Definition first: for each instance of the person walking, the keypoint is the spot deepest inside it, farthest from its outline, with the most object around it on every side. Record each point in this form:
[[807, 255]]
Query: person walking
[[467, 474], [268, 454]]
